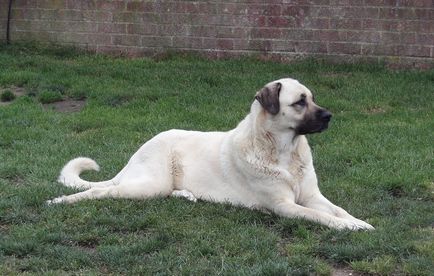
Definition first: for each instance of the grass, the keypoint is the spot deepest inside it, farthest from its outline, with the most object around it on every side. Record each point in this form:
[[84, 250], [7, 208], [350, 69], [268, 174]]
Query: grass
[[376, 161], [7, 96]]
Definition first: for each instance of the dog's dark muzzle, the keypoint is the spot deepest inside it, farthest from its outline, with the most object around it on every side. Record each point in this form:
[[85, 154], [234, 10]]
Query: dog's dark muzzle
[[318, 121]]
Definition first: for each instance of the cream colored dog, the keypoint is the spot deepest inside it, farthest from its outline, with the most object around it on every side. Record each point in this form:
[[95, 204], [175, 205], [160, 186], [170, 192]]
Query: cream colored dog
[[264, 163]]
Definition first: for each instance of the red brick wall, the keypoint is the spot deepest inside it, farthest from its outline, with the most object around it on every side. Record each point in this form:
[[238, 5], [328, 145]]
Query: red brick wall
[[397, 31]]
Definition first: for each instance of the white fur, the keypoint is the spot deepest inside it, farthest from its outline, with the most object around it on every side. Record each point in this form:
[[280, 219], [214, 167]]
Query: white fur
[[261, 163]]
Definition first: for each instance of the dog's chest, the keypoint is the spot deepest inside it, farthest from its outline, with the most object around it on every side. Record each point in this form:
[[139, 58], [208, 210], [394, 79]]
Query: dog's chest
[[293, 163]]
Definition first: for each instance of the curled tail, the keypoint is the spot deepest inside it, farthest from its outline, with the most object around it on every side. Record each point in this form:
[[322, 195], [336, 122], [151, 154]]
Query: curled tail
[[70, 174]]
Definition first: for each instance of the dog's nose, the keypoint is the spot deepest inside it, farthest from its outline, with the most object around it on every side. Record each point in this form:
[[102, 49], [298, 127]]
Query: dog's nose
[[324, 115]]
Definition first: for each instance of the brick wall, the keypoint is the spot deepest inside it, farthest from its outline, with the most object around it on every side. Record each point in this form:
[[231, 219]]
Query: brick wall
[[397, 31]]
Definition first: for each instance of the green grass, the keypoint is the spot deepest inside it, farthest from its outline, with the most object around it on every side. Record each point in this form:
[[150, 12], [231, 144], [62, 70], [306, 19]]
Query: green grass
[[376, 161], [7, 96]]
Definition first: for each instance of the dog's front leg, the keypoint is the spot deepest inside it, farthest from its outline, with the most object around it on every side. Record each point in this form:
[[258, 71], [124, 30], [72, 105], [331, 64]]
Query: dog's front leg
[[318, 202], [292, 210]]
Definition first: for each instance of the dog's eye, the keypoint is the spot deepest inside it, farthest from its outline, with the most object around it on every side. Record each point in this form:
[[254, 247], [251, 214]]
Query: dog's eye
[[301, 103]]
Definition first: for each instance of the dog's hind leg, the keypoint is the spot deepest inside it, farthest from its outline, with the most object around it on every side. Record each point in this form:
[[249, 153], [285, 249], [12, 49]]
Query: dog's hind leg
[[132, 189]]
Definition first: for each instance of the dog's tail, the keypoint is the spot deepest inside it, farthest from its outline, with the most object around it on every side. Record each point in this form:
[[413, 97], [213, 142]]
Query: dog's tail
[[70, 174]]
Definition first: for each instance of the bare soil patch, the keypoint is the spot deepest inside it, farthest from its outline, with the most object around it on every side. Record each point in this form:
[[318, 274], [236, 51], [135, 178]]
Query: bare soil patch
[[66, 106], [344, 271], [17, 91]]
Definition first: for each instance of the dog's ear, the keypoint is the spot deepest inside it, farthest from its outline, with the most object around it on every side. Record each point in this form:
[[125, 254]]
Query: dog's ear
[[268, 97]]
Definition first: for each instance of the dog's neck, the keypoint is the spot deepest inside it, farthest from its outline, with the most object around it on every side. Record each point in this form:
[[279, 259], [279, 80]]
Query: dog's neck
[[273, 144]]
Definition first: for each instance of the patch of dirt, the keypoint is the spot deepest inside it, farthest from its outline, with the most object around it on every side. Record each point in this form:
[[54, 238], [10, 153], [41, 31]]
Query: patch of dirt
[[17, 91], [344, 271], [66, 106], [4, 228]]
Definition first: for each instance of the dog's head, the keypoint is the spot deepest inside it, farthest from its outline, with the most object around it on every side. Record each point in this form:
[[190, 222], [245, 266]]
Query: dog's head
[[291, 106]]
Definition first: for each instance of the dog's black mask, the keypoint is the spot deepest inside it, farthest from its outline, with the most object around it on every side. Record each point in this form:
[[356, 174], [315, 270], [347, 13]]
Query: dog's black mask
[[316, 121]]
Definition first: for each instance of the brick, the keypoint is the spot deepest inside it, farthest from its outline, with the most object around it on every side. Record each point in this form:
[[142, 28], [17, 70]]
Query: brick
[[258, 21], [311, 47], [370, 24], [329, 35], [111, 50], [283, 46], [190, 7], [156, 41], [272, 10], [209, 43], [97, 16], [79, 5], [381, 2], [425, 39], [173, 30], [233, 8], [390, 38], [266, 33], [295, 11], [51, 4], [99, 39], [204, 31], [424, 26], [112, 5], [16, 14], [391, 25], [315, 23], [359, 12], [259, 45], [72, 15], [344, 48], [128, 17], [29, 14], [339, 2], [415, 51], [408, 38], [380, 50], [230, 32], [323, 12], [70, 37], [306, 2], [126, 40], [141, 29], [140, 6], [225, 44], [297, 34], [346, 24], [365, 37], [418, 3], [29, 4], [187, 42], [123, 51], [112, 28], [277, 21], [241, 44], [21, 25]]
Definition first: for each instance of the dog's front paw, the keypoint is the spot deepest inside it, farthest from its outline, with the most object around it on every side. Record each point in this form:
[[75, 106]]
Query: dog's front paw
[[185, 194], [56, 200], [354, 225], [361, 225]]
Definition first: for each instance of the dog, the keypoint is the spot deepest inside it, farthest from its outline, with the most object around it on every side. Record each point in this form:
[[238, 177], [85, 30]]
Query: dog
[[264, 163]]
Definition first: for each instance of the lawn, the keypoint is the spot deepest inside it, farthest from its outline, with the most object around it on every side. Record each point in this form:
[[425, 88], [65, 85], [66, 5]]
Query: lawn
[[376, 161]]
